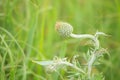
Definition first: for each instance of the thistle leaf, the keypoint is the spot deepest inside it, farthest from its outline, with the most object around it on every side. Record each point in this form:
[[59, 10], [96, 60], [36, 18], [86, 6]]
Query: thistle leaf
[[43, 63]]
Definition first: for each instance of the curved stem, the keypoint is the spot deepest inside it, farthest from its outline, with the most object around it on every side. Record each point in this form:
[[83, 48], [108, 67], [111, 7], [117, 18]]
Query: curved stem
[[83, 36]]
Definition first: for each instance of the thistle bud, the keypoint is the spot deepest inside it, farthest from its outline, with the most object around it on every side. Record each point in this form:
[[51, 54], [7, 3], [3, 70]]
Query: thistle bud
[[64, 29]]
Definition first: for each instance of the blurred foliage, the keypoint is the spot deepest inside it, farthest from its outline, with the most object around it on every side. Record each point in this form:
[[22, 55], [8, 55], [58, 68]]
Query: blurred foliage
[[27, 33]]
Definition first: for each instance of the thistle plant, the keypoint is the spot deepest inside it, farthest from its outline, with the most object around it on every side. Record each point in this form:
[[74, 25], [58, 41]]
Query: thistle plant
[[66, 30]]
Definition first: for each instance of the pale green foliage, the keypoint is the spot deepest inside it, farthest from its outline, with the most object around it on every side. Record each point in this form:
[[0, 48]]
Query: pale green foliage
[[78, 72]]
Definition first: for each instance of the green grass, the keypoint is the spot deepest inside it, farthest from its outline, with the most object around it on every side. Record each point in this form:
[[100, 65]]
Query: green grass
[[27, 33]]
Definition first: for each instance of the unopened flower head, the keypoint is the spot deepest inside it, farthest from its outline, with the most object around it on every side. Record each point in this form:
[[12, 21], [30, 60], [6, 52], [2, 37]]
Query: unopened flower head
[[64, 29]]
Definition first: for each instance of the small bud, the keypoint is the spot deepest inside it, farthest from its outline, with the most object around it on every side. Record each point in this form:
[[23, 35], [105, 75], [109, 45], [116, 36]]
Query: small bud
[[64, 29]]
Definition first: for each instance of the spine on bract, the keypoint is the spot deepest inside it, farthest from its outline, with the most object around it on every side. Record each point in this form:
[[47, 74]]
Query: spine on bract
[[64, 29]]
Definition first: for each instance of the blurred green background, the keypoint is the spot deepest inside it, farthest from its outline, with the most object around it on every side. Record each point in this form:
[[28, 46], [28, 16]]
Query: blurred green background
[[27, 33]]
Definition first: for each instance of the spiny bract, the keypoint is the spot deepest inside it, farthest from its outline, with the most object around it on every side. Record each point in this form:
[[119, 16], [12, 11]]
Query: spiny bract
[[64, 29]]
